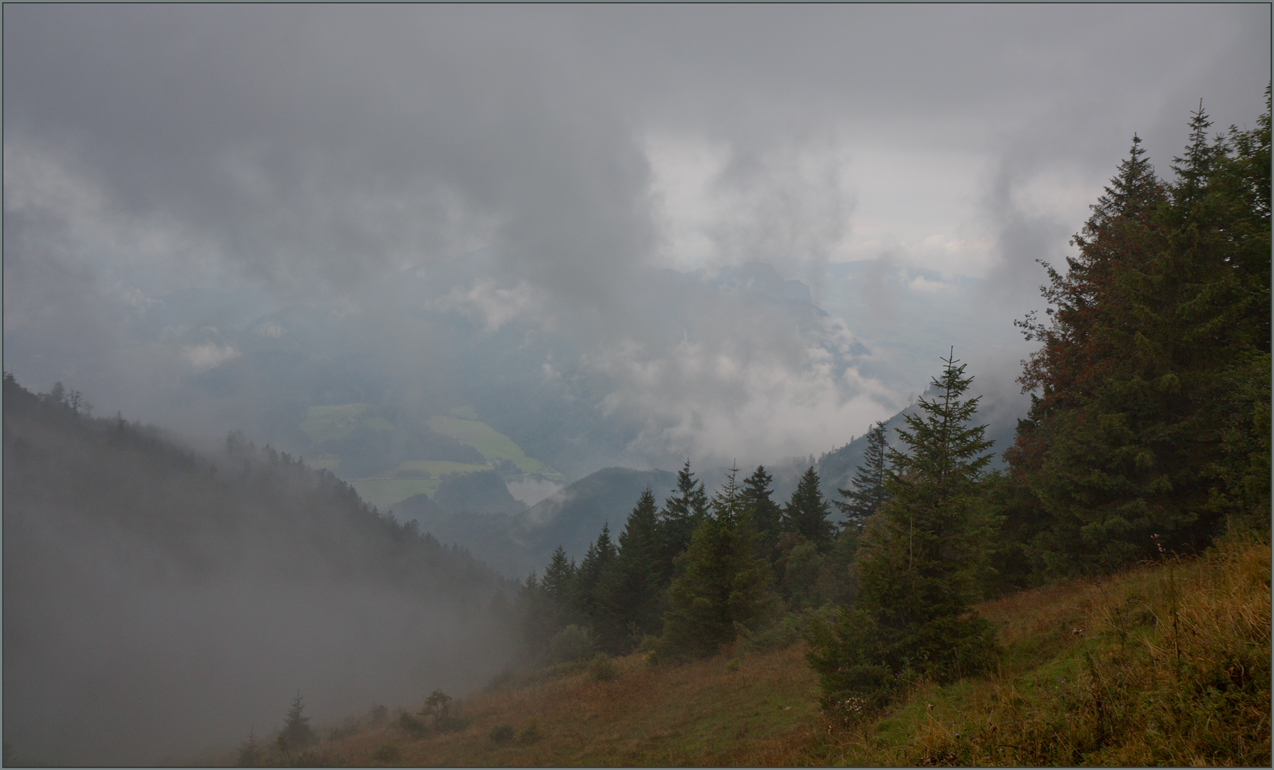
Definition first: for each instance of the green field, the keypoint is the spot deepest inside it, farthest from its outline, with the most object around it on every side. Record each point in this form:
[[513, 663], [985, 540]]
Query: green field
[[436, 468], [490, 443], [386, 493], [331, 423]]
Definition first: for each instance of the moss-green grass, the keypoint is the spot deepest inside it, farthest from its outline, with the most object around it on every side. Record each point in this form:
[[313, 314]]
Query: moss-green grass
[[386, 493], [490, 443], [437, 468], [332, 422]]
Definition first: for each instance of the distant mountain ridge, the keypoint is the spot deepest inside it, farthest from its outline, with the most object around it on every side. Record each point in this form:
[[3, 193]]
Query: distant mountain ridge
[[519, 543]]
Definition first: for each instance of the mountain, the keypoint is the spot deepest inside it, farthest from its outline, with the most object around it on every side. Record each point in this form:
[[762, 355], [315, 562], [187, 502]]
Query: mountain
[[158, 599], [517, 544]]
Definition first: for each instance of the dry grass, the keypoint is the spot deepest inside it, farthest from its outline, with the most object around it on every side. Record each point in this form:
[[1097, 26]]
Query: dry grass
[[1165, 664], [699, 713]]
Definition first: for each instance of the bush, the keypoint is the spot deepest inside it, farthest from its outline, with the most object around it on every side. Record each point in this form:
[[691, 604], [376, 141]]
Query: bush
[[501, 734], [409, 724], [530, 733], [500, 680], [775, 636], [602, 669], [386, 752], [573, 643]]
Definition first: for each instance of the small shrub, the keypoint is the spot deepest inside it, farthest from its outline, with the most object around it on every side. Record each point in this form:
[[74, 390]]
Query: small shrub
[[602, 669], [386, 752], [378, 715], [409, 724], [501, 734], [530, 733], [500, 680], [776, 636], [251, 752], [733, 665], [572, 643]]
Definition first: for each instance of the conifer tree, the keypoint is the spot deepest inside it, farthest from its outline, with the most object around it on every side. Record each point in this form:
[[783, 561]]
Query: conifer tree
[[919, 560], [806, 512], [868, 493], [766, 516], [595, 590], [682, 513], [559, 583], [721, 586], [637, 594], [296, 733], [1150, 390]]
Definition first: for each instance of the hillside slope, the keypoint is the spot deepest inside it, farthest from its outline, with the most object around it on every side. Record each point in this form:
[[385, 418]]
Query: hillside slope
[[158, 600], [1166, 664]]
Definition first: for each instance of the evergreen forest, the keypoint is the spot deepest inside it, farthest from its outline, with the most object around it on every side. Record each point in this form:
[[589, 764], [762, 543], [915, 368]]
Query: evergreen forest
[[1148, 437]]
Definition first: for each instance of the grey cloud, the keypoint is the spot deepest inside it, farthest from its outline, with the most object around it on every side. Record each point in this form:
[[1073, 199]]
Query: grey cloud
[[317, 150]]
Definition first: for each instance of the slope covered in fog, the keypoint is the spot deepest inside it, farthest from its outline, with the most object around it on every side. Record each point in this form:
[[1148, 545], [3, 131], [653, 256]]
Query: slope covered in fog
[[158, 600]]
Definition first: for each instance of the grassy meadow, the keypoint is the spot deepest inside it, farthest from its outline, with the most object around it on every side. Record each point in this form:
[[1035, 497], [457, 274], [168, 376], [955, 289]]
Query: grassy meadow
[[1166, 664]]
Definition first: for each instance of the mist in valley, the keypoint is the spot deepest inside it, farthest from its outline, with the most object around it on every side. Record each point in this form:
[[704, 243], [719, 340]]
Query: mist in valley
[[493, 269], [161, 602]]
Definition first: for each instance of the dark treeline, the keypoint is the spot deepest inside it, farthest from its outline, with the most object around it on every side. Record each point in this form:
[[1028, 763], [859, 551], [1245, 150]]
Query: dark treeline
[[694, 573], [158, 599], [1148, 436]]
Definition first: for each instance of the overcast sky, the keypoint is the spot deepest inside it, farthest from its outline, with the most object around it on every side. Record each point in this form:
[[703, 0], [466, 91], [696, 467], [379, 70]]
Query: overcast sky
[[308, 151]]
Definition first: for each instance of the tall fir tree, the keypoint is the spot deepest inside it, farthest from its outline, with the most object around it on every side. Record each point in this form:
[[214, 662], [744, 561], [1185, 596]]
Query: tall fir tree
[[919, 561], [595, 586], [683, 511], [806, 512], [296, 733], [721, 586], [868, 493], [766, 516], [1150, 390], [637, 595]]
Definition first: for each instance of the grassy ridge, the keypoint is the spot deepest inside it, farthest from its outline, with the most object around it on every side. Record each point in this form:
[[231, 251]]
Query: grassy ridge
[[1166, 664], [490, 443]]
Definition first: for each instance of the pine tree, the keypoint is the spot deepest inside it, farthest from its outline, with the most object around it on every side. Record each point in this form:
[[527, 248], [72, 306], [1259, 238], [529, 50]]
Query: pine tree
[[596, 583], [721, 586], [868, 493], [682, 513], [250, 751], [296, 733], [637, 595], [1150, 391], [559, 580], [919, 560], [766, 516], [806, 512]]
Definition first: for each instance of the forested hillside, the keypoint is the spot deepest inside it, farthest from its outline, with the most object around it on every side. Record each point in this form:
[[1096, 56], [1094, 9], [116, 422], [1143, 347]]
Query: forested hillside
[[159, 600], [1148, 438]]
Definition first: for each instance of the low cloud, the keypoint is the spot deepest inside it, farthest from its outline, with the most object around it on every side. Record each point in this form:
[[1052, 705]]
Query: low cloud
[[208, 355], [492, 305]]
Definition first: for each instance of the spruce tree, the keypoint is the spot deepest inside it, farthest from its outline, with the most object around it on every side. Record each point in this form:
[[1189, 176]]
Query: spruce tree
[[806, 512], [721, 586], [1150, 393], [682, 513], [766, 516], [868, 493], [919, 560], [595, 587], [637, 594], [296, 733]]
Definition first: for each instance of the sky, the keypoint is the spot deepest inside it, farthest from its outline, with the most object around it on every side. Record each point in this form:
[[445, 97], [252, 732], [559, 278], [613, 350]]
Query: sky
[[315, 153]]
